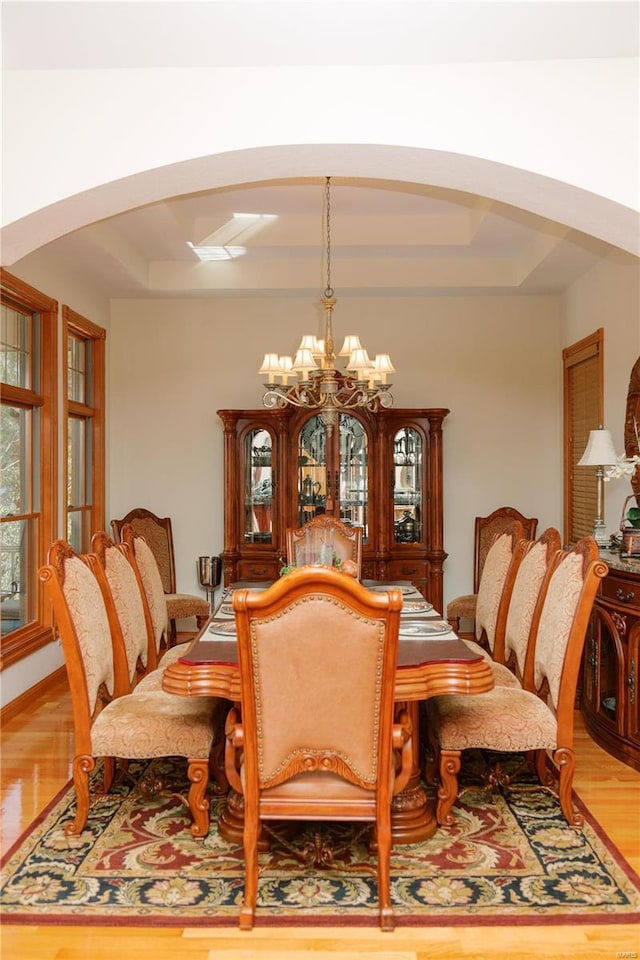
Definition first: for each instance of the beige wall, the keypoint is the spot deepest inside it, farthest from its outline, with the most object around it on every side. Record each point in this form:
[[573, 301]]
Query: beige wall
[[493, 361], [609, 297]]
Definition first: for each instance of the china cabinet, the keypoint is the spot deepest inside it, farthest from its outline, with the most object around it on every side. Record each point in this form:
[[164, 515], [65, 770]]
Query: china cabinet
[[610, 679], [378, 470]]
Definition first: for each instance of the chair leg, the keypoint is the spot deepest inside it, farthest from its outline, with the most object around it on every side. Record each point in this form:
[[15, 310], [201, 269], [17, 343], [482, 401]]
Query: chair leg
[[198, 773], [82, 767], [173, 633], [448, 789], [454, 623], [383, 834], [250, 840], [201, 622], [565, 760]]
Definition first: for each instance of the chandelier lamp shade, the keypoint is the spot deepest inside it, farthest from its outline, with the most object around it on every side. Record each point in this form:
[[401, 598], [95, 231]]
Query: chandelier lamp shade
[[312, 378]]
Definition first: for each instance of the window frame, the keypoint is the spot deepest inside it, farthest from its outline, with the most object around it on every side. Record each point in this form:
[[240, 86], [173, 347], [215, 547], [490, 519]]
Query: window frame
[[18, 294], [74, 325], [587, 349]]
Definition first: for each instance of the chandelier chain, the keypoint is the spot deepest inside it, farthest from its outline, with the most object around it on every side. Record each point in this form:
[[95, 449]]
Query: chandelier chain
[[327, 191]]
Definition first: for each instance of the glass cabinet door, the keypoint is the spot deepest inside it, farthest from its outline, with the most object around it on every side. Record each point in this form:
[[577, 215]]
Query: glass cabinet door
[[407, 486], [354, 473], [312, 469], [258, 485], [605, 670]]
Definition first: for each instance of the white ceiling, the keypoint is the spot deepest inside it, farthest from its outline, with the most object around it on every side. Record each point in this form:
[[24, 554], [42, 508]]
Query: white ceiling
[[388, 238]]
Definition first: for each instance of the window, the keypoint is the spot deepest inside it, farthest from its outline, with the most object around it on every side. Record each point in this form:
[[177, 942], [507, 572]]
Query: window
[[28, 361], [84, 466], [583, 411]]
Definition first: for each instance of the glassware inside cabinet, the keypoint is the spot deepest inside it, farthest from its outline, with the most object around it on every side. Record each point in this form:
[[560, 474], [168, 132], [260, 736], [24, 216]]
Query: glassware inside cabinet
[[407, 486], [354, 473], [258, 514], [312, 469]]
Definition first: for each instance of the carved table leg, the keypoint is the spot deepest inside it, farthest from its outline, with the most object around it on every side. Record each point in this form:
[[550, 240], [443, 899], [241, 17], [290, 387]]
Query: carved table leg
[[411, 819]]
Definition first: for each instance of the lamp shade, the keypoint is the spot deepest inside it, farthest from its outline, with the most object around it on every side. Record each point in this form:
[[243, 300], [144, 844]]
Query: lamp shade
[[600, 451]]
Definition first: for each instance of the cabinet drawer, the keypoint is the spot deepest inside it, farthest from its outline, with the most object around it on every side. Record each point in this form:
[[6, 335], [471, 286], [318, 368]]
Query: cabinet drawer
[[408, 569], [621, 591], [258, 570]]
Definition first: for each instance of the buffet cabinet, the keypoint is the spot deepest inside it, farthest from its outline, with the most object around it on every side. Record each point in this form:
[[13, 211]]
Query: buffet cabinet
[[610, 680], [379, 470]]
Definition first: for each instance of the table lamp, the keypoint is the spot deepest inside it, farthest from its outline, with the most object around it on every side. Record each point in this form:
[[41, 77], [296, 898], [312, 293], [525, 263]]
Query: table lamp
[[599, 453]]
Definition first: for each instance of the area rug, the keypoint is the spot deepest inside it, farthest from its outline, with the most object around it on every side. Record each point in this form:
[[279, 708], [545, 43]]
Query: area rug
[[508, 859]]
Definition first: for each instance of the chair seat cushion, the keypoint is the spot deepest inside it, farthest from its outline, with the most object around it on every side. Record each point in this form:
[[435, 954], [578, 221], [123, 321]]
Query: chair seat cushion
[[155, 724], [181, 605], [464, 606], [505, 719]]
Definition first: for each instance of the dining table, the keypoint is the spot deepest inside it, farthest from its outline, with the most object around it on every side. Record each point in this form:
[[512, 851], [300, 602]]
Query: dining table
[[432, 661]]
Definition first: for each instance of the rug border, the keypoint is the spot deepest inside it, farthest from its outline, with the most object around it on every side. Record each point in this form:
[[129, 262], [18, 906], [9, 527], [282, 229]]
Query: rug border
[[604, 919]]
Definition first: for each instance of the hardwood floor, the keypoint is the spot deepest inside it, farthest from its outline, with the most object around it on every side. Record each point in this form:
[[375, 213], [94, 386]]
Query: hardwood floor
[[37, 745]]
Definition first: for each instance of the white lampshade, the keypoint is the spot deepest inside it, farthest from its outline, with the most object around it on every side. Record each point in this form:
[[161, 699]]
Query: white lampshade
[[600, 451], [360, 362], [304, 362], [286, 369], [351, 343], [382, 366], [270, 366]]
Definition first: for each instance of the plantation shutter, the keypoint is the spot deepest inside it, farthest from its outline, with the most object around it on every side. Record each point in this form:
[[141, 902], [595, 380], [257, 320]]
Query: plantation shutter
[[583, 412]]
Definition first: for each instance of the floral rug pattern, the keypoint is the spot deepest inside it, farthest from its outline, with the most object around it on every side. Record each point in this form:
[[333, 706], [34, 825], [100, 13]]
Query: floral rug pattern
[[507, 859]]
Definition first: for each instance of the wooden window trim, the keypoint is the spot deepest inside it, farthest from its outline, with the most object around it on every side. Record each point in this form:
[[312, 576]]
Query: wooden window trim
[[38, 632], [75, 323], [589, 347]]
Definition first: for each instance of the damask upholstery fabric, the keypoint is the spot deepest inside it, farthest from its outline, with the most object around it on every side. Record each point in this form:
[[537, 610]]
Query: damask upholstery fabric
[[479, 721], [154, 724], [156, 537], [491, 586], [183, 605], [464, 606], [556, 621], [89, 615], [523, 601], [128, 603], [152, 588], [502, 675]]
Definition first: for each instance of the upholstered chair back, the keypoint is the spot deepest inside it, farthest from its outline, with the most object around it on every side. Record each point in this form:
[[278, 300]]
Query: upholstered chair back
[[124, 590], [495, 587], [145, 562], [322, 538], [83, 627], [526, 594], [157, 533], [563, 619], [301, 711], [488, 528]]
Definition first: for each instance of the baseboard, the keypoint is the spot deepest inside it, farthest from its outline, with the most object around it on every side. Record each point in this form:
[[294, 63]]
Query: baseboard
[[14, 707]]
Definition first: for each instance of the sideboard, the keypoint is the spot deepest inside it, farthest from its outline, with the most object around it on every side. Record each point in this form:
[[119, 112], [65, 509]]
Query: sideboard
[[610, 680]]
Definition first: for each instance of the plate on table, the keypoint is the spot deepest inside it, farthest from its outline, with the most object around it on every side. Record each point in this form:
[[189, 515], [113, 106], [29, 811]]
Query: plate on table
[[424, 628], [416, 606], [226, 609], [223, 628]]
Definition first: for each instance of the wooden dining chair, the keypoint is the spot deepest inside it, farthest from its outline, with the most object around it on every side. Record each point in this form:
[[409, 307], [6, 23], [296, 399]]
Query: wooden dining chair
[[317, 738], [535, 719], [109, 721], [494, 596], [485, 532], [158, 535], [322, 539]]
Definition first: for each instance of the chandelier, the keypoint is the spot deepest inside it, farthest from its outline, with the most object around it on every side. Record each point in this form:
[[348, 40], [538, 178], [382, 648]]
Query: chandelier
[[316, 382]]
